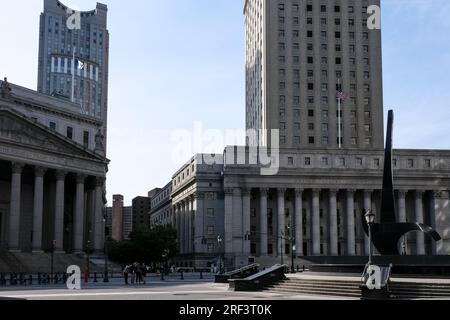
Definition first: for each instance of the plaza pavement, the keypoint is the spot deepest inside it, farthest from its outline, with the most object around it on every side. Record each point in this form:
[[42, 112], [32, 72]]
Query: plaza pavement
[[191, 288]]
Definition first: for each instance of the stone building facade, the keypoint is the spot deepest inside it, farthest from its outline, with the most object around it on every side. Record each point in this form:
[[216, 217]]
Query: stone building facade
[[51, 180]]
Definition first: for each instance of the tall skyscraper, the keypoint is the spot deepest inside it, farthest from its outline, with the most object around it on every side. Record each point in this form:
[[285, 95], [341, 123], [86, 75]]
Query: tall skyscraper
[[299, 55], [73, 57]]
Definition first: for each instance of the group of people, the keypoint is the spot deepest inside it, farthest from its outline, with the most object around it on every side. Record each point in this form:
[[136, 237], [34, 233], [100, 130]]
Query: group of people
[[136, 273]]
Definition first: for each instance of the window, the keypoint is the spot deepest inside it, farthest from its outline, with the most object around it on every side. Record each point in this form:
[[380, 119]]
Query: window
[[310, 60], [410, 163], [325, 114], [296, 100], [376, 163], [297, 125], [368, 141], [323, 34], [210, 213], [324, 60], [290, 161], [337, 48], [296, 140], [309, 34], [367, 114], [282, 113], [323, 8], [52, 126], [211, 230], [338, 60], [310, 73], [281, 33], [342, 162], [296, 113], [353, 141], [281, 46], [310, 113], [337, 9], [367, 128], [281, 59], [283, 125], [366, 75], [310, 99], [311, 126], [70, 132], [310, 86], [337, 35], [324, 161], [427, 163], [337, 22], [295, 34], [307, 161], [359, 162], [323, 21], [86, 139], [365, 35], [309, 8], [324, 47], [351, 9], [351, 22], [311, 140], [325, 127], [309, 46], [309, 20], [282, 72]]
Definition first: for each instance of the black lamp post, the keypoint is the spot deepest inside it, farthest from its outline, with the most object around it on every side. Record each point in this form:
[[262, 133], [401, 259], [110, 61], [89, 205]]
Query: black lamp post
[[370, 219], [219, 241]]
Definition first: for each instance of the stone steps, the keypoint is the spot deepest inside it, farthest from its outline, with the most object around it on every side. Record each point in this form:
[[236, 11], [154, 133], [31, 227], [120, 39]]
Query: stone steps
[[351, 288]]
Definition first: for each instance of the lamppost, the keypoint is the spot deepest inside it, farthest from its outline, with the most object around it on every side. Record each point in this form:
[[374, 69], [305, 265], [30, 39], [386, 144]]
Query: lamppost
[[370, 219], [293, 248], [105, 277], [88, 252], [52, 260], [219, 242], [281, 248]]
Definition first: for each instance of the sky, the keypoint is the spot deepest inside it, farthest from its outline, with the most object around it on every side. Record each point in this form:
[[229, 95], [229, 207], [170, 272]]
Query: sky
[[177, 69]]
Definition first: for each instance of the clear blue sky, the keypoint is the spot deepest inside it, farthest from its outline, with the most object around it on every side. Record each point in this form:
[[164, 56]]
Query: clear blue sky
[[177, 62]]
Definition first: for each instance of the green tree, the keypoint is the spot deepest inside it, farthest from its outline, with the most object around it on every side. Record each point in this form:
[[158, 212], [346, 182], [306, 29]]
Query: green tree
[[145, 245]]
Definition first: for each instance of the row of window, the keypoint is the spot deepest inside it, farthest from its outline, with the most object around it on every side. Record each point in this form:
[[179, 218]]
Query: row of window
[[323, 8], [70, 133], [325, 161], [325, 140]]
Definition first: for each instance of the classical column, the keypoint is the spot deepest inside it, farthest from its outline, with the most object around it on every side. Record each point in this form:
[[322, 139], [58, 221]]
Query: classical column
[[281, 221], [264, 232], [14, 214], [334, 241], [402, 205], [228, 221], [183, 227], [38, 206], [79, 214], [351, 223], [367, 206], [299, 222], [99, 228], [238, 227], [199, 222], [177, 211], [188, 225], [246, 210], [59, 211], [315, 216], [420, 238], [440, 219]]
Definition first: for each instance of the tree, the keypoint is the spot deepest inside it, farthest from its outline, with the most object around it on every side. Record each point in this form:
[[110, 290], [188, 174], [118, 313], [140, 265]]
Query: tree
[[145, 245]]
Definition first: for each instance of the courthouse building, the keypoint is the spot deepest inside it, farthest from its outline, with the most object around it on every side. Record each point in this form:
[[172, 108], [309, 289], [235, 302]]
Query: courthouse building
[[52, 176], [301, 55]]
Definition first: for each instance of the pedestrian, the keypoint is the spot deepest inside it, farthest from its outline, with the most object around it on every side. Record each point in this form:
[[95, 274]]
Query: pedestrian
[[144, 273], [138, 271], [126, 271], [132, 273]]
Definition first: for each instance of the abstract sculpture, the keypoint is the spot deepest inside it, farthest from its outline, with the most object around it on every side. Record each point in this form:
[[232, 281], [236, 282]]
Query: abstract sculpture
[[387, 233]]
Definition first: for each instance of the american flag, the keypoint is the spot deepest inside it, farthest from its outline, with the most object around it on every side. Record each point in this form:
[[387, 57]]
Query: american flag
[[342, 95]]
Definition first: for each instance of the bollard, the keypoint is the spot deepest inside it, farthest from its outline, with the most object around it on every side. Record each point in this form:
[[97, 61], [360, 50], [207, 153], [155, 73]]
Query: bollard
[[182, 276], [95, 277]]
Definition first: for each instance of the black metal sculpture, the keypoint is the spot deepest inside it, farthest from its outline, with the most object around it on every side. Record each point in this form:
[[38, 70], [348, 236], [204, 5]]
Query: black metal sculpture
[[387, 233]]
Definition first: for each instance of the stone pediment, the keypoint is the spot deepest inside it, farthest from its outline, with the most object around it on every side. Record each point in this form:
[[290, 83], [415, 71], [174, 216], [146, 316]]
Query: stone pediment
[[17, 129]]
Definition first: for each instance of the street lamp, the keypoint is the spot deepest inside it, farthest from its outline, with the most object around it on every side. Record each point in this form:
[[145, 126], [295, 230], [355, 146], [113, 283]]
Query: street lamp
[[370, 219], [219, 241], [293, 248]]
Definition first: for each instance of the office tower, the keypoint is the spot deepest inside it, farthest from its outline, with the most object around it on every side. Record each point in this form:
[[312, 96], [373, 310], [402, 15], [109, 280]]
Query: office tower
[[299, 55]]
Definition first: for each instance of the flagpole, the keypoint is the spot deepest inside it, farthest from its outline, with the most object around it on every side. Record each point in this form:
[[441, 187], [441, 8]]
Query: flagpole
[[339, 115], [73, 75]]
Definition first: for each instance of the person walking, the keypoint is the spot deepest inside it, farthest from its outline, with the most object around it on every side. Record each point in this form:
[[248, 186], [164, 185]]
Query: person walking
[[138, 271], [126, 271], [144, 273]]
